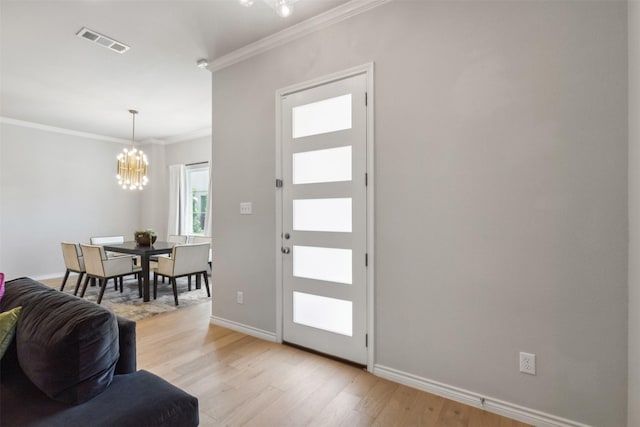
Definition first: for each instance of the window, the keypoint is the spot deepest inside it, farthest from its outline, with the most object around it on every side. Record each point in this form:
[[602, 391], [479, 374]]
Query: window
[[198, 189]]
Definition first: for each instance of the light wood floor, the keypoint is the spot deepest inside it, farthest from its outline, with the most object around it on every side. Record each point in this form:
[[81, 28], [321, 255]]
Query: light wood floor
[[242, 380]]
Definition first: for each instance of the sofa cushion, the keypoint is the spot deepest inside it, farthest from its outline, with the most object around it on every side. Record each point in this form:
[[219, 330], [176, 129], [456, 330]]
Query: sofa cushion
[[8, 321], [66, 346]]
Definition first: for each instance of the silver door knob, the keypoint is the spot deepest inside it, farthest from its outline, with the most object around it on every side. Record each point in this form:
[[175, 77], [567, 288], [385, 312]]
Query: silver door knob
[[285, 250]]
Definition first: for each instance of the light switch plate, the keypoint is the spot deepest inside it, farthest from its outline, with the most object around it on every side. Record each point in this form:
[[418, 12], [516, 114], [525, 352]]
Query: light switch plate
[[246, 208]]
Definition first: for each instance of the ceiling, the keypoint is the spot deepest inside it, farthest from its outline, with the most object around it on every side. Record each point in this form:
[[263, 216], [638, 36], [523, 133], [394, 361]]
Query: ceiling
[[49, 76]]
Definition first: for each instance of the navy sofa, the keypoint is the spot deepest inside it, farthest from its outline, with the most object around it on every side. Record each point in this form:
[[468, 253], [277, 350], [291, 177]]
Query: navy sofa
[[73, 363]]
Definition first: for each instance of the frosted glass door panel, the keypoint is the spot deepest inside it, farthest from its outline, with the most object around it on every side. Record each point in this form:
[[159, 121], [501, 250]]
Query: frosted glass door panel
[[330, 165], [328, 115], [330, 264], [329, 314], [322, 215]]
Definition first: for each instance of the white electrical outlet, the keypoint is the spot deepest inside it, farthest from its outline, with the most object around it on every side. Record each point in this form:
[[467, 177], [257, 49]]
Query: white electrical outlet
[[246, 208], [528, 363], [240, 297]]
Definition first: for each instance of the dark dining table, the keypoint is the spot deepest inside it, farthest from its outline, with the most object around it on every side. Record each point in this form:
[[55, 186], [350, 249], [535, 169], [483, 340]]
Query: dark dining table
[[145, 252]]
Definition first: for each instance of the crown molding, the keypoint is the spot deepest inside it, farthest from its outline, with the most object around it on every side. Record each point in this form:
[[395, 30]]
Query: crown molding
[[54, 129], [318, 22], [200, 133]]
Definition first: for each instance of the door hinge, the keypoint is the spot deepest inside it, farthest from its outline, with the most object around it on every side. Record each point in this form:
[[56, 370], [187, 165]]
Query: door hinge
[[366, 340], [366, 260], [366, 99], [278, 183], [366, 179]]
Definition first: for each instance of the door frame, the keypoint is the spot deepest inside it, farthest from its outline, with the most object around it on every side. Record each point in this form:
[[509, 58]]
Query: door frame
[[367, 70]]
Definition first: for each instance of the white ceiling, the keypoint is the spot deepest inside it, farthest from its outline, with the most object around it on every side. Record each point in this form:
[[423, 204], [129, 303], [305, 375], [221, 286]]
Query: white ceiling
[[50, 76]]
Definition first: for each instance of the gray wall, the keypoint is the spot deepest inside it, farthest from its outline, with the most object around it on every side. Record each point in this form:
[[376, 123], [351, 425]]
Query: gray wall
[[634, 214], [191, 151], [153, 209], [56, 187], [501, 193]]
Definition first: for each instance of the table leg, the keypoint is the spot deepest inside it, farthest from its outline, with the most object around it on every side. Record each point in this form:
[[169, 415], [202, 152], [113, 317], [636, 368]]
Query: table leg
[[145, 277]]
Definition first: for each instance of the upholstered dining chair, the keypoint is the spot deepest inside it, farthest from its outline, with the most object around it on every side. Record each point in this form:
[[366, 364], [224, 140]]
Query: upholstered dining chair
[[178, 239], [74, 262], [204, 239], [186, 260], [100, 267], [109, 240], [112, 240]]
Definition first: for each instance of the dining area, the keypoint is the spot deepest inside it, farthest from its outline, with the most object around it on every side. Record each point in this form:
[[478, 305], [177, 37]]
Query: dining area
[[106, 259]]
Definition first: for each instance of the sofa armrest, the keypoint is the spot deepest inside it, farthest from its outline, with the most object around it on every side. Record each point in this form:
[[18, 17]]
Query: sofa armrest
[[127, 363]]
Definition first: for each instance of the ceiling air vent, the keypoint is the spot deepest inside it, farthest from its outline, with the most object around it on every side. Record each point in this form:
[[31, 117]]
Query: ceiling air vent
[[103, 41]]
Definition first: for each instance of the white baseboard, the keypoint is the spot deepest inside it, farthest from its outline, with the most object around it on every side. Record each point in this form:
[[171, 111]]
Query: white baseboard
[[245, 329], [500, 407]]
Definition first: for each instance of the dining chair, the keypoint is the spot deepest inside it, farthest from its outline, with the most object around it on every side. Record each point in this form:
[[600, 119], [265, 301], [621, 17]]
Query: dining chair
[[204, 239], [109, 240], [186, 260], [179, 239], [112, 240], [74, 262], [100, 267]]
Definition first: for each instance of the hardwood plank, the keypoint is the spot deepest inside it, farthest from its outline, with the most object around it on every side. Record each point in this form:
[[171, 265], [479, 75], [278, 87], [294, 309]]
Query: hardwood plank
[[361, 385], [398, 405], [377, 398], [481, 418], [338, 411], [424, 411], [454, 414], [335, 380]]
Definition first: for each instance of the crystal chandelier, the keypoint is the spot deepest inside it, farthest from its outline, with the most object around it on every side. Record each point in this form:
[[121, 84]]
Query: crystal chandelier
[[132, 164]]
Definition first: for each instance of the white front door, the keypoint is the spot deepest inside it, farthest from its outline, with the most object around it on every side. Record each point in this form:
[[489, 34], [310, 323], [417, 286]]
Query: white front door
[[324, 218]]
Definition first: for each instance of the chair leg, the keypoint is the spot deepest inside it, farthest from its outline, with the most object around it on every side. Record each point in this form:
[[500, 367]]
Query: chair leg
[[64, 281], [84, 285], [198, 281], [175, 290], [189, 282], [155, 285], [139, 276], [121, 284], [103, 286], [75, 291], [206, 283]]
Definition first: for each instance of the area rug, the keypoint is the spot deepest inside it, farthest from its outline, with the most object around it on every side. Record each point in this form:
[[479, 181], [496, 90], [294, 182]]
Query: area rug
[[127, 304]]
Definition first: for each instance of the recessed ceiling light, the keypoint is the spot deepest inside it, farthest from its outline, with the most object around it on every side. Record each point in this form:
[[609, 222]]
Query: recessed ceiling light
[[102, 40], [282, 7], [202, 63]]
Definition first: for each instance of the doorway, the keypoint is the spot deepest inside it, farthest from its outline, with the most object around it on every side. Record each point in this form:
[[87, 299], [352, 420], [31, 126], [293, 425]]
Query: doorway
[[324, 219]]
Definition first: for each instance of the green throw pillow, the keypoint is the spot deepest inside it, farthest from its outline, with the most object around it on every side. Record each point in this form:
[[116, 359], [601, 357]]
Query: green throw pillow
[[8, 321]]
